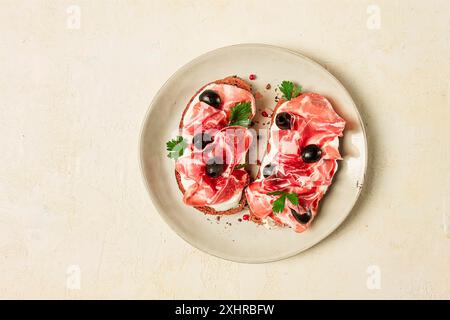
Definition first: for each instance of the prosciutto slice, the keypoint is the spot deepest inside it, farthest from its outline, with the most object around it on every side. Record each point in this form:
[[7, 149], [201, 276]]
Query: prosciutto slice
[[313, 121], [230, 145], [202, 117]]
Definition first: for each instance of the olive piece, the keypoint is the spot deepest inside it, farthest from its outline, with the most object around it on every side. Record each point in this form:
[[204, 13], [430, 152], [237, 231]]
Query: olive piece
[[269, 170], [210, 97], [302, 218], [283, 120], [200, 140], [214, 167], [311, 153]]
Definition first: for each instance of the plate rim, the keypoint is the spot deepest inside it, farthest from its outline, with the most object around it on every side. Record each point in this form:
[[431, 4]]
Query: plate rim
[[153, 196]]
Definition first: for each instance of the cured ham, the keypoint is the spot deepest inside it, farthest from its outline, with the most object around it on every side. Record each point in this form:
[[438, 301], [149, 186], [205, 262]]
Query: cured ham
[[230, 146], [201, 116], [312, 122], [222, 190]]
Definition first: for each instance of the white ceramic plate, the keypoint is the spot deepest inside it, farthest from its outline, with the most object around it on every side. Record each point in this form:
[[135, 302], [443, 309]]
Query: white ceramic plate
[[228, 238]]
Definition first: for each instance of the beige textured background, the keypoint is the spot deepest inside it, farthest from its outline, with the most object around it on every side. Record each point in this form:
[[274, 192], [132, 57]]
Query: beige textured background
[[72, 102]]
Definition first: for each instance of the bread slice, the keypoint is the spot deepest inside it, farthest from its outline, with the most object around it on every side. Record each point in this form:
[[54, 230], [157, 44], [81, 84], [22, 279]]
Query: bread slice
[[238, 82]]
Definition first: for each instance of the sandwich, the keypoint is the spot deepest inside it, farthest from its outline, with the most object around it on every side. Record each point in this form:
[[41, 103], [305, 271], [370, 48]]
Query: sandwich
[[300, 160], [211, 147]]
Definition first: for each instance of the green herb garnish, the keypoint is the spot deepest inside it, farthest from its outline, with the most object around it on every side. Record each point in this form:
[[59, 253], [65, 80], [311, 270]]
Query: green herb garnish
[[240, 114], [290, 90], [240, 166], [176, 147], [279, 204]]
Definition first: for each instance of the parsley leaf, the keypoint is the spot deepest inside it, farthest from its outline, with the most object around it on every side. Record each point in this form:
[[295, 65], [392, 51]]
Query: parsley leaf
[[290, 90], [296, 92], [176, 147], [293, 198], [240, 114], [240, 166], [286, 88], [279, 204]]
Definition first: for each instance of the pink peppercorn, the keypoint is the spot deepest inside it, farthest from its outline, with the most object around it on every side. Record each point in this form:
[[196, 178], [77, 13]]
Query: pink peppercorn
[[245, 217], [252, 77]]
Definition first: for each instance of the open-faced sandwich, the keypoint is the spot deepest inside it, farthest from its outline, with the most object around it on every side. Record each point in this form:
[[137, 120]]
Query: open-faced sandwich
[[212, 145], [300, 160]]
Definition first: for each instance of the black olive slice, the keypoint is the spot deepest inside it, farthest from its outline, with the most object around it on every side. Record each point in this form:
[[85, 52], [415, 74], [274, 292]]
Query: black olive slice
[[210, 97], [214, 167], [269, 170], [283, 120], [302, 218], [201, 140], [311, 153]]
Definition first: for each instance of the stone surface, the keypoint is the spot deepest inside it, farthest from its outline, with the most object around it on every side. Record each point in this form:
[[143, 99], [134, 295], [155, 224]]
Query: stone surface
[[76, 78]]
